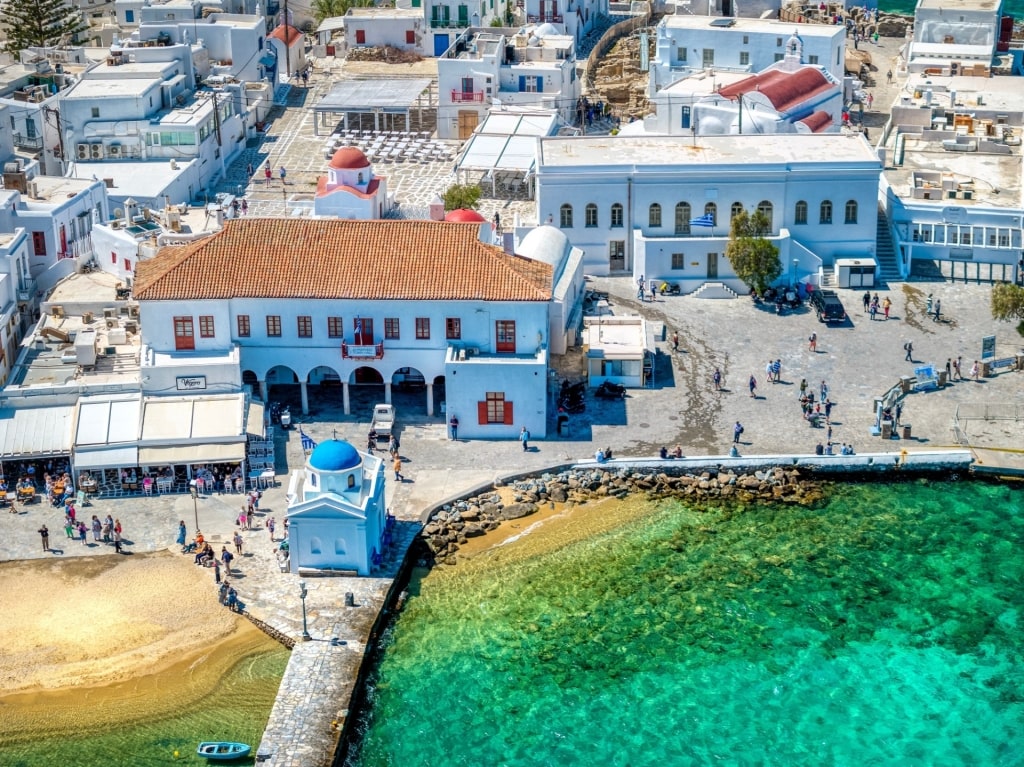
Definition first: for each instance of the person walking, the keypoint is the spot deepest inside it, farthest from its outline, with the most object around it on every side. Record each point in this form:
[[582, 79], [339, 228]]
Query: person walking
[[44, 533], [270, 526], [216, 571], [867, 299], [245, 207], [237, 540], [974, 370], [823, 392], [226, 557], [69, 527], [769, 371], [716, 377], [828, 415], [812, 342], [956, 368], [675, 341], [886, 306], [897, 414], [248, 170], [928, 304], [397, 466], [268, 174], [117, 541], [737, 432], [82, 531], [282, 172], [752, 385], [949, 369], [888, 77], [909, 348], [873, 310], [938, 309], [453, 424], [524, 437], [803, 388]]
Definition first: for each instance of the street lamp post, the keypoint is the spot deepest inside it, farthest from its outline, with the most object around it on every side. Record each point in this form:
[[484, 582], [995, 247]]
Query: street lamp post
[[796, 262], [302, 594], [195, 510]]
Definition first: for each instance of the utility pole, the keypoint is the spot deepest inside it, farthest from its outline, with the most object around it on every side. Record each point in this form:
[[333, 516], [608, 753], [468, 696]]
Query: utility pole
[[287, 45]]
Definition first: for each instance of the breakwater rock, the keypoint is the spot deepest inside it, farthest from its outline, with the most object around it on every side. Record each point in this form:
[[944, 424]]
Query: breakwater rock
[[451, 526]]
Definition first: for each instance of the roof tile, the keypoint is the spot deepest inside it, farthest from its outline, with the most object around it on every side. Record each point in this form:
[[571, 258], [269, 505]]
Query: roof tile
[[336, 259]]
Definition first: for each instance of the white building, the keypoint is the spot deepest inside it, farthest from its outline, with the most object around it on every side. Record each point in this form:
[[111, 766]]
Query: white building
[[447, 17], [952, 187], [137, 120], [535, 67], [628, 202], [351, 189], [689, 44], [31, 88], [339, 523], [288, 46], [787, 97], [955, 38], [17, 296], [402, 28], [576, 19], [327, 303]]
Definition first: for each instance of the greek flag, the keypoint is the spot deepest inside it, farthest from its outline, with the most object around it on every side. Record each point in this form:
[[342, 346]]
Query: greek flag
[[707, 219], [358, 328], [307, 441]]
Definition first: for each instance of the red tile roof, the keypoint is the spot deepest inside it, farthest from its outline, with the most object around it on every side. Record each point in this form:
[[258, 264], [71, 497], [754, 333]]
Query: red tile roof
[[783, 89], [286, 33], [818, 121], [332, 258], [323, 191]]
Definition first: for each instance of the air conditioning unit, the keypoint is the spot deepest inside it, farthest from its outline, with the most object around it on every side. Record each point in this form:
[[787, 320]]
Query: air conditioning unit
[[87, 318], [133, 311], [57, 311], [109, 312], [82, 151], [131, 326], [112, 323], [96, 151], [114, 150]]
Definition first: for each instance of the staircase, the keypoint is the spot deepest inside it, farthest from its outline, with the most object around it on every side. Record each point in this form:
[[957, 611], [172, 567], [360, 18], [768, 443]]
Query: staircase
[[828, 279], [713, 290], [885, 254]]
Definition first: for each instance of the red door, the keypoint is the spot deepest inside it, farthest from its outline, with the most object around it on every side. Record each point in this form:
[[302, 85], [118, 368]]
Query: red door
[[184, 336], [505, 336], [363, 327]]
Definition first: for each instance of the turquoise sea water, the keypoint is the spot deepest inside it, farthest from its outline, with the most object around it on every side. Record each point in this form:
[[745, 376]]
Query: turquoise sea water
[[881, 627]]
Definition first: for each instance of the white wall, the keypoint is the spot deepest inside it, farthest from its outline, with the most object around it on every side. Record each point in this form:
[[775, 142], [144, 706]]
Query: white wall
[[523, 382]]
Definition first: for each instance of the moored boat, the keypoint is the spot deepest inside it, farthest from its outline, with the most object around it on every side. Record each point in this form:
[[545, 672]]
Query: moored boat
[[222, 750]]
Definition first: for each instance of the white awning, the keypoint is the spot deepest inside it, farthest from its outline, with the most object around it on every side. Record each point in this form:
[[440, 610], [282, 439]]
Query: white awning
[[123, 457], [254, 420], [107, 420], [212, 419], [31, 433], [180, 454]]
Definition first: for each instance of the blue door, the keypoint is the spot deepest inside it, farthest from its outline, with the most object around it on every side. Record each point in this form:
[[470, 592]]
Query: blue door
[[441, 44]]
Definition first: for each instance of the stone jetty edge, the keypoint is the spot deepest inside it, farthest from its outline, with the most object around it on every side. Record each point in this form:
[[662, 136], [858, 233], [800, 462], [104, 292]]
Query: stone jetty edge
[[785, 478]]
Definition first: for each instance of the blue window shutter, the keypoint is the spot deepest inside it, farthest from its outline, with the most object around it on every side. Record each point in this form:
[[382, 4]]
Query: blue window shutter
[[540, 85], [522, 83]]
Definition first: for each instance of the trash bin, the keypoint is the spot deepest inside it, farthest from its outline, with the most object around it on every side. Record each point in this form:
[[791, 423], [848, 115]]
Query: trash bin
[[942, 379], [563, 425], [906, 431], [886, 429], [906, 384]]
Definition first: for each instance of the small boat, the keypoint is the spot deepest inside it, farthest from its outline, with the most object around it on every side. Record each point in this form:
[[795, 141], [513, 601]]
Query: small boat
[[222, 750]]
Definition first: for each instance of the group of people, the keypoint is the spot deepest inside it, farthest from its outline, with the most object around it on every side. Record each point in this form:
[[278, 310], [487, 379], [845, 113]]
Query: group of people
[[107, 530], [872, 305]]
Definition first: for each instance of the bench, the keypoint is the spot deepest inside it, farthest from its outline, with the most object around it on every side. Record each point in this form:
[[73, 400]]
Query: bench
[[326, 572]]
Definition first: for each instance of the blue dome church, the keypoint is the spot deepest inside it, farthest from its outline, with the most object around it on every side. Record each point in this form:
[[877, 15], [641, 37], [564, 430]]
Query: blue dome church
[[338, 519]]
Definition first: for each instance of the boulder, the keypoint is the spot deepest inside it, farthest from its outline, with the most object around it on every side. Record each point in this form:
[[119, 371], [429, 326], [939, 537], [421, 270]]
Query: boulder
[[518, 510]]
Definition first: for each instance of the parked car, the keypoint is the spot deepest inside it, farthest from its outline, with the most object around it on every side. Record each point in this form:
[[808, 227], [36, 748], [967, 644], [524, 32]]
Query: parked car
[[408, 378], [828, 306]]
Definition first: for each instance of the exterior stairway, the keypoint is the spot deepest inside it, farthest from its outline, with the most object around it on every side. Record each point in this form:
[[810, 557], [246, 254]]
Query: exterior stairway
[[714, 290], [885, 254]]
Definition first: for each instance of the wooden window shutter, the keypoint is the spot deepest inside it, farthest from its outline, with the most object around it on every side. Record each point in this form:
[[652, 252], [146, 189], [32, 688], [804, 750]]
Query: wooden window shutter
[[481, 412], [508, 414]]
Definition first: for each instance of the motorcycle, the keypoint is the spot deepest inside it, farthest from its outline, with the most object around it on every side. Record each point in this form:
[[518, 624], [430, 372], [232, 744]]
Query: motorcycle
[[669, 289], [610, 390], [285, 418]]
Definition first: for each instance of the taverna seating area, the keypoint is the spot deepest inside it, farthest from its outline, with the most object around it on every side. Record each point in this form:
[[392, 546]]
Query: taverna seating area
[[390, 146]]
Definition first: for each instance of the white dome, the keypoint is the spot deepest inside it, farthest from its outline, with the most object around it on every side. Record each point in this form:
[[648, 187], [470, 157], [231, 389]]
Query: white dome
[[547, 244], [545, 29]]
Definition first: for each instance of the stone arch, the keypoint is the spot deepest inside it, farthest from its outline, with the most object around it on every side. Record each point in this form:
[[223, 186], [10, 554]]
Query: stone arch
[[250, 378], [323, 374], [366, 375]]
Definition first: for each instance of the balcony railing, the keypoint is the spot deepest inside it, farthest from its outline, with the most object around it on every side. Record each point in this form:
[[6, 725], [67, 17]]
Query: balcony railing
[[461, 97], [548, 18], [362, 351], [31, 143], [449, 23]]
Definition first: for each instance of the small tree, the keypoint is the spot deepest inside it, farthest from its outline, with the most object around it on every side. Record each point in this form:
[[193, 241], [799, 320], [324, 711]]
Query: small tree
[[1008, 303], [39, 24], [754, 259], [461, 196]]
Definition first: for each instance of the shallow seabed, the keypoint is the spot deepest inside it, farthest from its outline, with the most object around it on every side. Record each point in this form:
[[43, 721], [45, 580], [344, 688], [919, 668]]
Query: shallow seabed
[[880, 627], [223, 694]]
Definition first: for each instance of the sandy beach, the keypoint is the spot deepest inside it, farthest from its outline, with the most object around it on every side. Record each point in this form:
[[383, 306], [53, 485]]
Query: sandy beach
[[86, 622]]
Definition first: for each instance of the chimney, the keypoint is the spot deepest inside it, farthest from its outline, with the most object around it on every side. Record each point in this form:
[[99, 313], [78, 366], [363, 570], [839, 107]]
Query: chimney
[[437, 209]]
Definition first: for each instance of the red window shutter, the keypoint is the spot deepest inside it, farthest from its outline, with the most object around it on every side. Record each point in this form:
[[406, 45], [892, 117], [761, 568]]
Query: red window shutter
[[360, 36], [508, 414], [410, 37], [481, 412]]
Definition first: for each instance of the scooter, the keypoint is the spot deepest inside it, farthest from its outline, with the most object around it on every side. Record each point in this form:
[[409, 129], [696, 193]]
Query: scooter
[[286, 418], [610, 390], [669, 289]]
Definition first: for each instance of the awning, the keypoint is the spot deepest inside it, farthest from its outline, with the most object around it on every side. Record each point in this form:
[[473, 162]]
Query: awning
[[106, 420], [254, 423], [123, 457], [180, 454], [207, 419], [29, 433]]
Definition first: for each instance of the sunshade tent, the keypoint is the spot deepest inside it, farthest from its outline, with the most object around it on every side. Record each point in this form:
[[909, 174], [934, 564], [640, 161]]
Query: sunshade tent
[[505, 144], [376, 97]]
